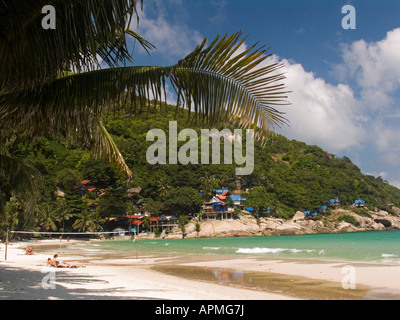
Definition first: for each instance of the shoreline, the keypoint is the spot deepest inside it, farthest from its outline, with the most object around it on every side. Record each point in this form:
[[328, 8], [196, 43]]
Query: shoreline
[[185, 277]]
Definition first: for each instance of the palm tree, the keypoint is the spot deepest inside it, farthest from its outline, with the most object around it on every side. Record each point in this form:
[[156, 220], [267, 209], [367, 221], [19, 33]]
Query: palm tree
[[13, 209], [209, 182], [88, 222], [63, 211], [17, 179], [163, 186], [47, 217], [39, 95]]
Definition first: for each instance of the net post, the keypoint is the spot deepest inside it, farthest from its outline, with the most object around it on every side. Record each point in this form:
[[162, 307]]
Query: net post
[[5, 253]]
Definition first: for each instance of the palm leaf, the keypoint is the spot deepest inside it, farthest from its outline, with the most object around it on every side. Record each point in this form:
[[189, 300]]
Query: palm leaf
[[19, 176], [218, 83], [221, 82], [212, 82], [30, 55], [104, 146]]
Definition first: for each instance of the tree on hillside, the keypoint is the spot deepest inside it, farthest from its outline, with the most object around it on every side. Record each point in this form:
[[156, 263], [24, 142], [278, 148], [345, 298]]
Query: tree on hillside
[[184, 200], [63, 211], [67, 179], [208, 185], [113, 203], [259, 199], [90, 222], [154, 207], [47, 217]]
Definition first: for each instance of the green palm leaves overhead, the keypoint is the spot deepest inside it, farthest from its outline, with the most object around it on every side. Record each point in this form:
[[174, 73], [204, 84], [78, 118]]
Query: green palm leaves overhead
[[221, 82], [224, 81], [216, 82], [86, 30]]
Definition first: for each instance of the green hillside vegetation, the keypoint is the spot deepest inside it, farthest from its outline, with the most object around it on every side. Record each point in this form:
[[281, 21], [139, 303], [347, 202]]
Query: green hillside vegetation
[[288, 176]]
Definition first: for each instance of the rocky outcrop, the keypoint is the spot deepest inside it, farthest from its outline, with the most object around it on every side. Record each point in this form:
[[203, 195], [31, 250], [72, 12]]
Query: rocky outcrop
[[246, 225]]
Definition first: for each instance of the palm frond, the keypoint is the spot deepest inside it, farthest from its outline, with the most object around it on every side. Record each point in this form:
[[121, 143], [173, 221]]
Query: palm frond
[[19, 176], [70, 104], [142, 41], [31, 55], [104, 146], [219, 83]]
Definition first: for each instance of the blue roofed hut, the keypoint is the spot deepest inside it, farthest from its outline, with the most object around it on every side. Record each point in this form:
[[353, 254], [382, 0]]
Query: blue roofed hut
[[359, 204]]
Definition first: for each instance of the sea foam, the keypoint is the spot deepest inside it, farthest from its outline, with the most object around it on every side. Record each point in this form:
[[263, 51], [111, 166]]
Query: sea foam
[[271, 250]]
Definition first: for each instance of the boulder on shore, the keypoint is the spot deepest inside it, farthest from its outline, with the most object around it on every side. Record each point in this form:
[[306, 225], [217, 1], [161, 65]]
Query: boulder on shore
[[299, 216], [247, 226]]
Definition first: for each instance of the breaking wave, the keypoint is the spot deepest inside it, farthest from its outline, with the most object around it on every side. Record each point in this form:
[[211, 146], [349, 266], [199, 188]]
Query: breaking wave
[[275, 250]]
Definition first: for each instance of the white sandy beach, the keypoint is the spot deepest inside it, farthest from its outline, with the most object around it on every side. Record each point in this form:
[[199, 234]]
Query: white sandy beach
[[27, 277], [21, 277]]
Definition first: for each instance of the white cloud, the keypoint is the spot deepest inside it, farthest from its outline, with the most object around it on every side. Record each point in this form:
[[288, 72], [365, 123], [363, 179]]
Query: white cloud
[[386, 138], [174, 40], [376, 68], [321, 113], [332, 117]]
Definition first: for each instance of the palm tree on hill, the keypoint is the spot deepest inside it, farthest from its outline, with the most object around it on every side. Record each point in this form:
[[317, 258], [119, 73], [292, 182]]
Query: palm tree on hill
[[39, 95], [47, 217], [91, 222]]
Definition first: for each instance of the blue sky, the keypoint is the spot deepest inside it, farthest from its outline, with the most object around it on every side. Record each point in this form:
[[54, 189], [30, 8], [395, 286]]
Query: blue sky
[[345, 83]]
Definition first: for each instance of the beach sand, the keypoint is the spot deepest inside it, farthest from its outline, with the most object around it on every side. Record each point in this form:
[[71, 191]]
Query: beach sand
[[185, 277]]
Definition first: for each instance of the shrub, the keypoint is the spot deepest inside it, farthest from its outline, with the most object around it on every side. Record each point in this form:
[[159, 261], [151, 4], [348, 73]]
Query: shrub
[[349, 219], [364, 212]]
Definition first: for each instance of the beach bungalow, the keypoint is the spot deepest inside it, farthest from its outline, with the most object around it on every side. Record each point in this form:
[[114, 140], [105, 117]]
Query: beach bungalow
[[168, 221], [221, 191], [134, 190], [141, 205], [238, 201], [163, 222], [133, 222], [217, 207], [308, 215], [250, 209], [93, 190], [359, 204], [154, 223], [214, 209], [334, 203], [136, 226], [87, 184]]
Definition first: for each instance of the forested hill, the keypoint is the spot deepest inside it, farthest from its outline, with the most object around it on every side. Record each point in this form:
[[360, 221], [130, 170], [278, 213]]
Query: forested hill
[[288, 175]]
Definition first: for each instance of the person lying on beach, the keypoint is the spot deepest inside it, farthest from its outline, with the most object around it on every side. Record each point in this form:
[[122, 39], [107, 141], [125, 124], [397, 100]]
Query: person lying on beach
[[64, 263], [51, 262], [57, 264], [29, 251], [55, 258]]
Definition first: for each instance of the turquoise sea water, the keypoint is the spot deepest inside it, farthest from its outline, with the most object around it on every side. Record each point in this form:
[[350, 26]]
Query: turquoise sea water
[[374, 246]]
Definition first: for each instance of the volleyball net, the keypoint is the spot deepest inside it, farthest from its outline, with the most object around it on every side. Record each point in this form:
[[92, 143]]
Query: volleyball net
[[118, 232]]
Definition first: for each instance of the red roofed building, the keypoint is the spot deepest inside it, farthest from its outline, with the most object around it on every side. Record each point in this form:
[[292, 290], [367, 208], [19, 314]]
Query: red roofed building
[[86, 186], [163, 222]]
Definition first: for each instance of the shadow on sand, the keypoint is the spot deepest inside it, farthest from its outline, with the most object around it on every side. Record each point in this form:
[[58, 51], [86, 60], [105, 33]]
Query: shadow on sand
[[17, 284]]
